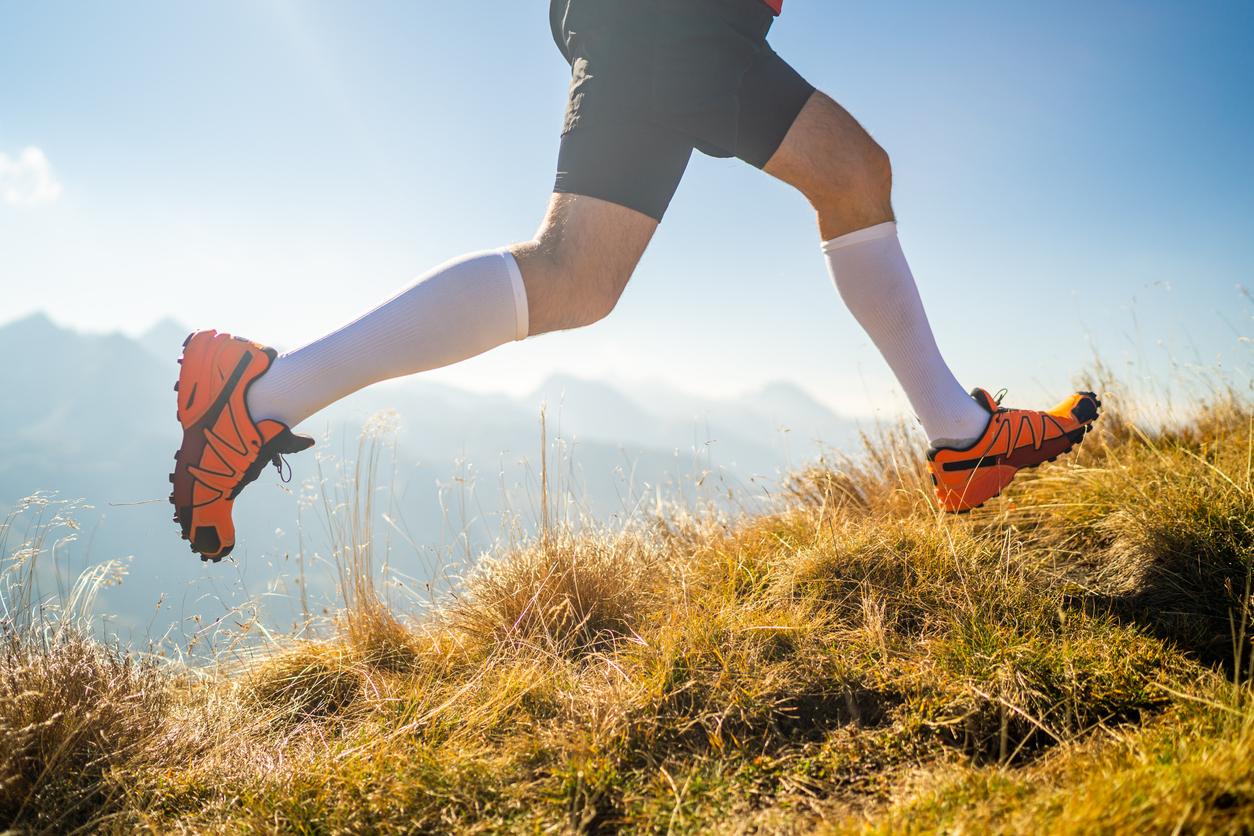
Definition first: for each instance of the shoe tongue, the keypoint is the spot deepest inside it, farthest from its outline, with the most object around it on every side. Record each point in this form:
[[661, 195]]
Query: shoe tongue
[[279, 439], [984, 399]]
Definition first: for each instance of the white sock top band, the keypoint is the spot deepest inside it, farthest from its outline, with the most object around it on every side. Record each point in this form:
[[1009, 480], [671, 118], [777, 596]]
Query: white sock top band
[[885, 230], [521, 313]]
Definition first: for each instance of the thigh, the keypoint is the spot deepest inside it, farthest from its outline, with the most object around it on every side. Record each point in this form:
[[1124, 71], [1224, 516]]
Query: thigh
[[772, 96], [631, 163], [826, 150], [593, 236], [613, 147], [716, 79]]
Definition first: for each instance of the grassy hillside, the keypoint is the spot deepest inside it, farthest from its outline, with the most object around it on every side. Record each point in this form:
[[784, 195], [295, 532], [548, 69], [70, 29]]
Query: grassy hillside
[[1076, 658]]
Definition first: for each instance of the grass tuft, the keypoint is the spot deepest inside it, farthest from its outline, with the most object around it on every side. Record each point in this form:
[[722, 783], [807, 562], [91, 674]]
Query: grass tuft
[[72, 714], [1073, 659]]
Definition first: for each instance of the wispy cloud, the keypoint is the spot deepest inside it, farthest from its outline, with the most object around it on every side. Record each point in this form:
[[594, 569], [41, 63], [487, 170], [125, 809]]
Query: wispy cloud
[[27, 179]]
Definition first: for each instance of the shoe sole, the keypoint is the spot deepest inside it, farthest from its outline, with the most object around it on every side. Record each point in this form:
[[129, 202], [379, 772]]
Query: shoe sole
[[1076, 436], [203, 540]]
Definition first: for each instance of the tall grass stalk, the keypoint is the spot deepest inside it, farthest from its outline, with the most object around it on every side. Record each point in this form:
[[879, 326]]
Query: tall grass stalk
[[1072, 660]]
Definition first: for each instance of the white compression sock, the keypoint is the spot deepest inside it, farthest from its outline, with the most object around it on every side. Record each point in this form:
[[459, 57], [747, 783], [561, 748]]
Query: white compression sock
[[461, 308], [873, 278]]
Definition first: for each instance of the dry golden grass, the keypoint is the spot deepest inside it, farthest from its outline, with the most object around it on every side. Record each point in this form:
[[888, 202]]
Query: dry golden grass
[[1074, 659], [72, 712]]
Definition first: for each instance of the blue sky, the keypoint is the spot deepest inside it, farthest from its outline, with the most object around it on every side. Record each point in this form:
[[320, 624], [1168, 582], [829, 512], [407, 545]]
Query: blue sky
[[1070, 176]]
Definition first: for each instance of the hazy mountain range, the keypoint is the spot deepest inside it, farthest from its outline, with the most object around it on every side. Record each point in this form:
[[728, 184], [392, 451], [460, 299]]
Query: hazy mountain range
[[92, 416]]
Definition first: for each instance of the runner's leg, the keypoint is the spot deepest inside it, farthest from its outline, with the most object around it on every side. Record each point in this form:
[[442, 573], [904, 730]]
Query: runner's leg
[[847, 177], [571, 274]]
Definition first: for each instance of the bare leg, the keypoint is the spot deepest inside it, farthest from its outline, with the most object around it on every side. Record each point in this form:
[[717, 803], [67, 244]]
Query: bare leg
[[847, 177], [840, 169], [571, 274], [578, 264]]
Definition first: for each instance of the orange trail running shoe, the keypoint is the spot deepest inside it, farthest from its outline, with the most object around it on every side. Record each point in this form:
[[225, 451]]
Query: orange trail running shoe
[[1013, 440], [223, 448]]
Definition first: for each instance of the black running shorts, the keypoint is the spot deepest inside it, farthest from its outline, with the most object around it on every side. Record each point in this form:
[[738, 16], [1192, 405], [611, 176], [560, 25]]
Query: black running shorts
[[653, 79]]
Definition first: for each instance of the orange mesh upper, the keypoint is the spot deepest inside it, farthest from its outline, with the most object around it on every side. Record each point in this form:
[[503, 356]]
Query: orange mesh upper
[[1014, 439]]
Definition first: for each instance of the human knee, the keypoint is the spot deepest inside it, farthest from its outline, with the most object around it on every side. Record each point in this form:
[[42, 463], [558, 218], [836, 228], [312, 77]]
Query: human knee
[[858, 194], [581, 259], [568, 288], [861, 176], [878, 170], [592, 288]]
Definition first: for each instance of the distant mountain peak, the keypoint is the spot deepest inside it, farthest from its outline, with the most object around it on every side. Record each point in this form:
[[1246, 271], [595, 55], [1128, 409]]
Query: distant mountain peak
[[163, 339], [32, 322], [167, 325], [785, 391]]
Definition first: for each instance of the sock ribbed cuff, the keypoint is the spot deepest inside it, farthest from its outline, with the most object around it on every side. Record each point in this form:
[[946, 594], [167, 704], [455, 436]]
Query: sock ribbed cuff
[[885, 230], [522, 315]]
